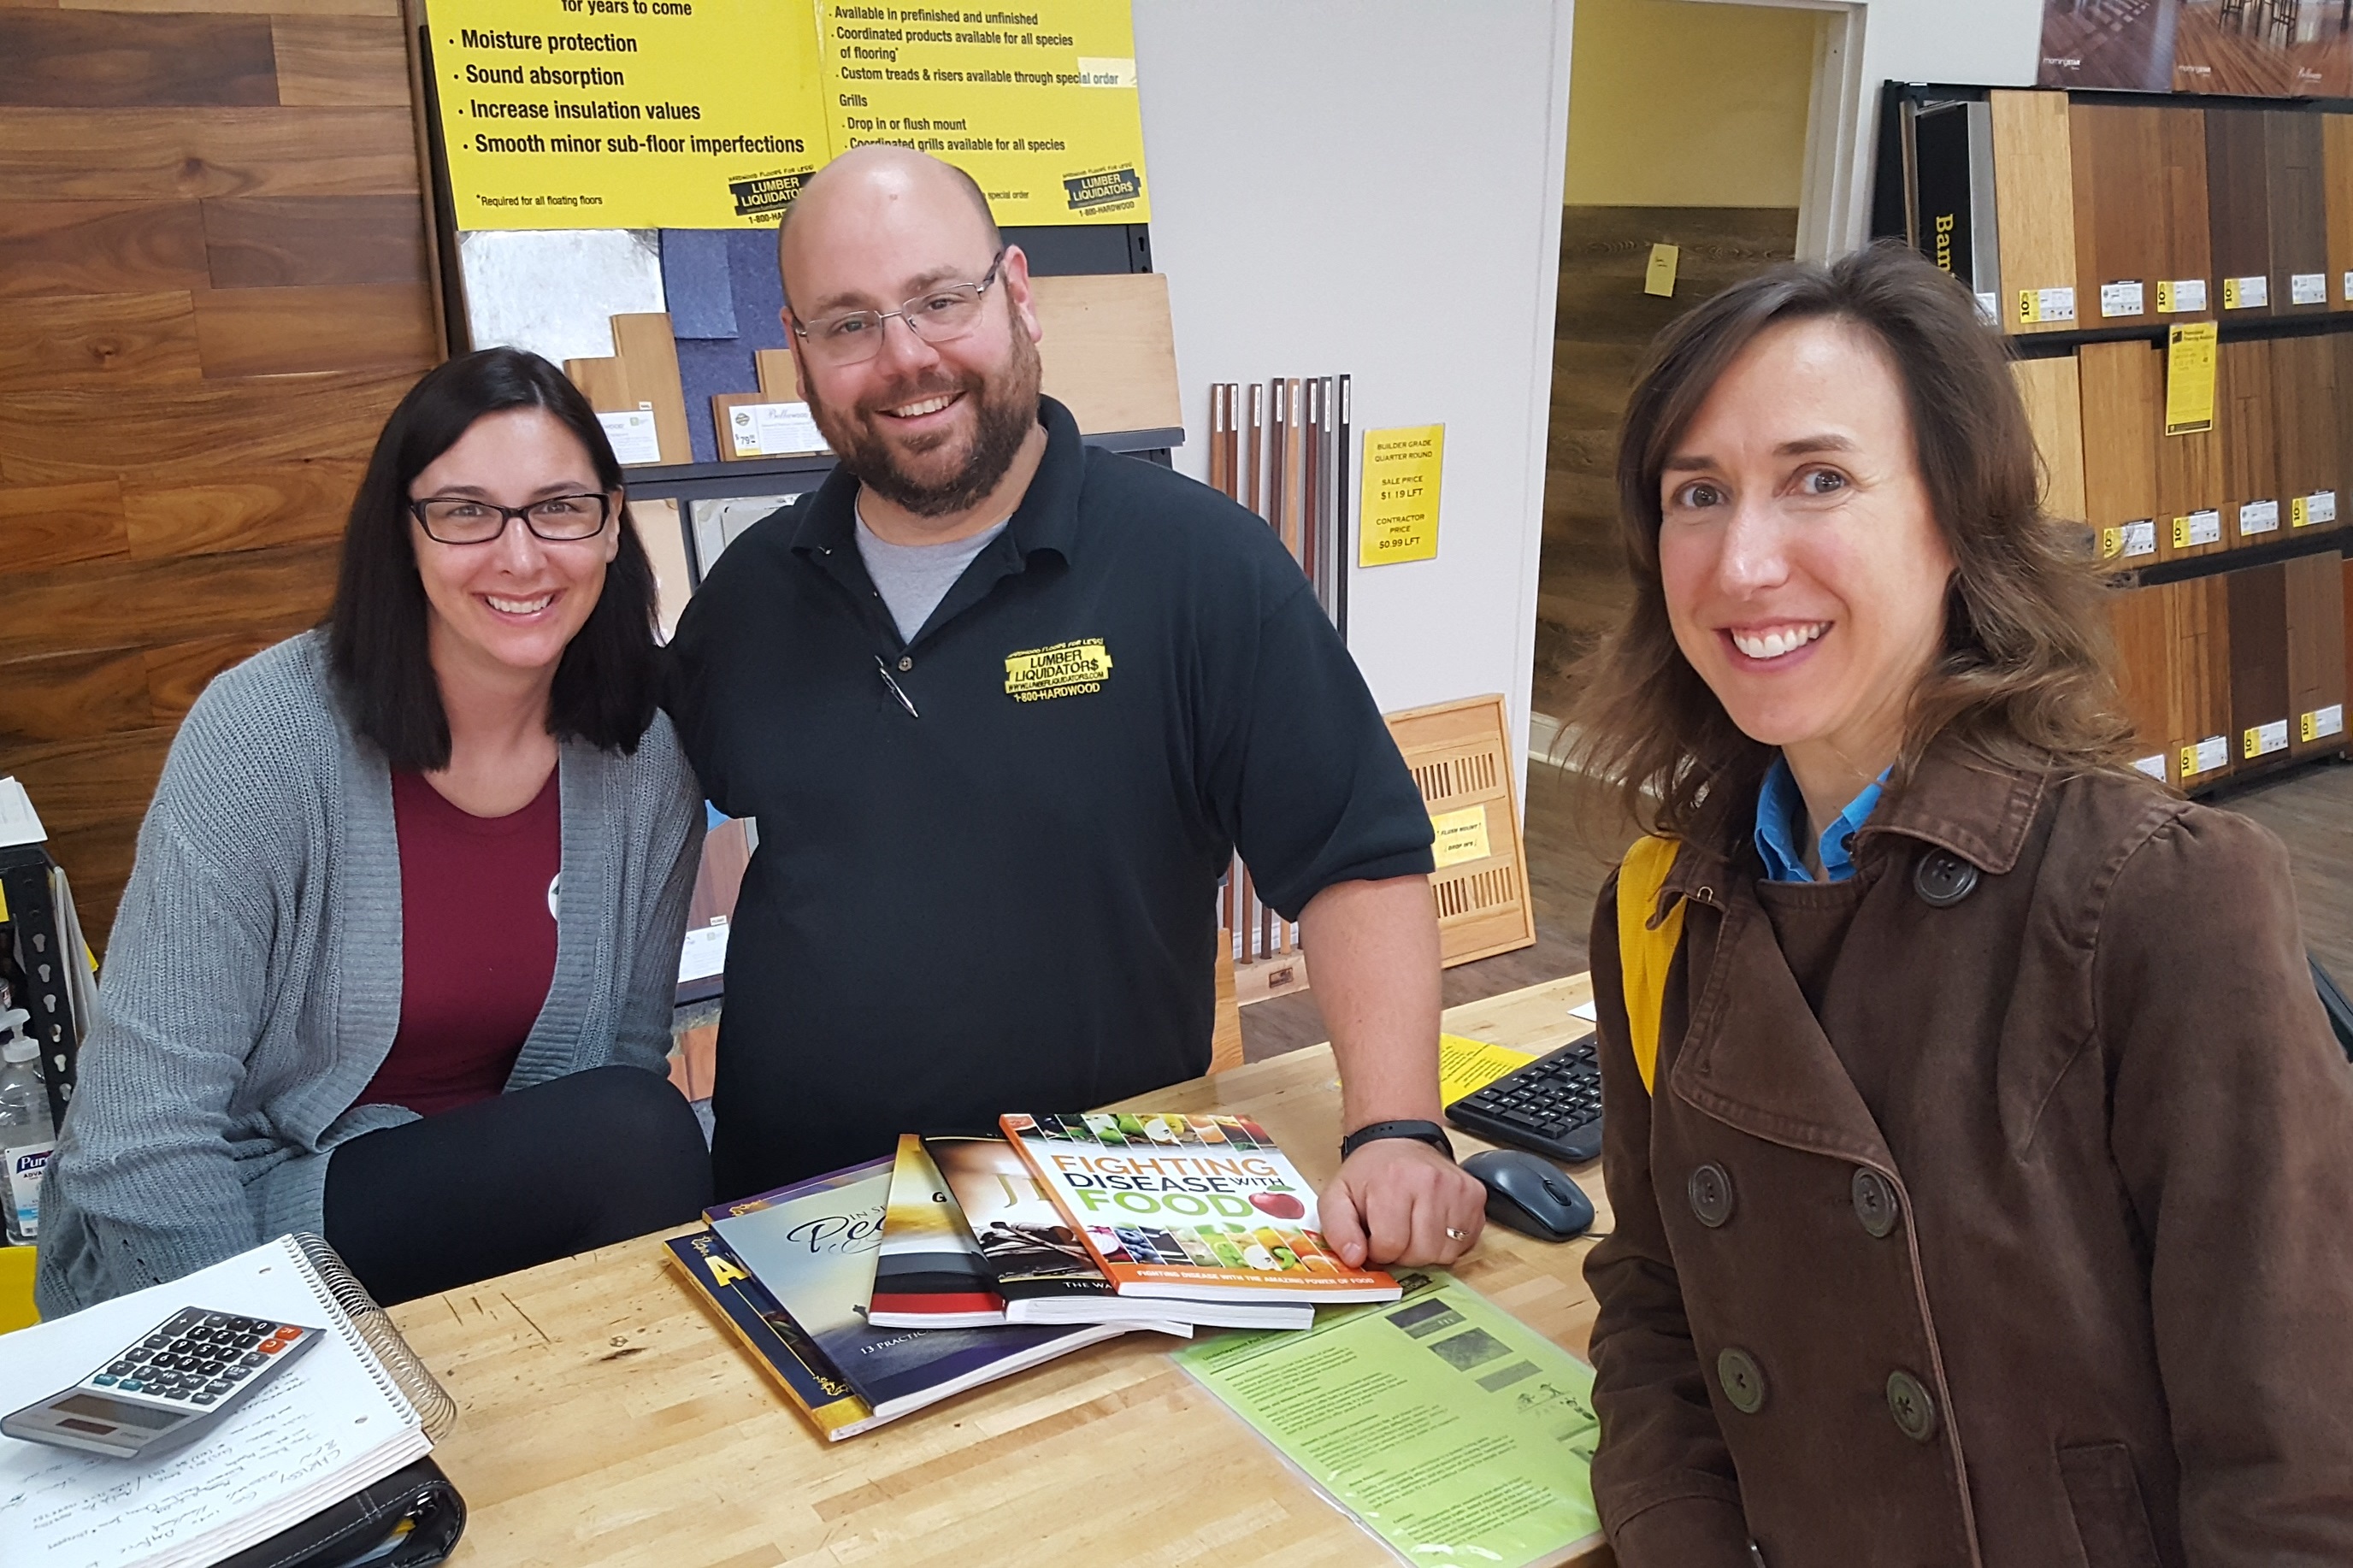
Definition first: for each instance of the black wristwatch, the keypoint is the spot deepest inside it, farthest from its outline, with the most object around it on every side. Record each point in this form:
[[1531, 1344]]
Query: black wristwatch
[[1428, 1132]]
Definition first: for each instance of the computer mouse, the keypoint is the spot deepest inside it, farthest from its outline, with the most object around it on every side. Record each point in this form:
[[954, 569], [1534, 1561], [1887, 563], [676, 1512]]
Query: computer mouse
[[1531, 1194]]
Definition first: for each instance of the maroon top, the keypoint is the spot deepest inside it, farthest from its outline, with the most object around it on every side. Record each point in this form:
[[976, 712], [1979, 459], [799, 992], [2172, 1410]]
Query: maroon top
[[477, 944]]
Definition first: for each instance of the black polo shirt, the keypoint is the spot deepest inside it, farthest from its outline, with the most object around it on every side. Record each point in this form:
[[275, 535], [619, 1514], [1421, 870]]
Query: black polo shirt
[[1006, 900]]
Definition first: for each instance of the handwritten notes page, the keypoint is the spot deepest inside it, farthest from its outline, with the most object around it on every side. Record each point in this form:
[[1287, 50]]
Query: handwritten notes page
[[328, 1425]]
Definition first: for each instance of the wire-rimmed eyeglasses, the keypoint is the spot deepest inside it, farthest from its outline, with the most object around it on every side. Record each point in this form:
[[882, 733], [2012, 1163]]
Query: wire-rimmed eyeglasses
[[940, 314]]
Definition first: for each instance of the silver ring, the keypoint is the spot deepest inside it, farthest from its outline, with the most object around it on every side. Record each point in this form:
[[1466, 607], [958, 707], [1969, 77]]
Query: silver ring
[[1454, 1235]]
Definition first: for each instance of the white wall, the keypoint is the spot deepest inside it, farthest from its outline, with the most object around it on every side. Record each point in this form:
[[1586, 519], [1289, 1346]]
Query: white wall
[[1373, 187]]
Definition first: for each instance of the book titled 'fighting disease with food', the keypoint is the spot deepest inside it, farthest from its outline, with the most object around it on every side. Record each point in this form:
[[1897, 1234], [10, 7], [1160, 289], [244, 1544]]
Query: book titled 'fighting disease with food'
[[1189, 1208]]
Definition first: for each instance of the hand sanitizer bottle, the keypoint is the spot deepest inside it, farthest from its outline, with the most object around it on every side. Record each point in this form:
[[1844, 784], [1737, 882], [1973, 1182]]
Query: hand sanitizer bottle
[[26, 1133]]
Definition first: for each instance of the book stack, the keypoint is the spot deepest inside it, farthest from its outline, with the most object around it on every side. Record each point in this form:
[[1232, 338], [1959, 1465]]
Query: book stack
[[876, 1290]]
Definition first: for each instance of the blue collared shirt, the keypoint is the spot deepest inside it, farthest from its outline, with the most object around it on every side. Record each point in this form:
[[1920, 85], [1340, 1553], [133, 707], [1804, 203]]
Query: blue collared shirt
[[1779, 807]]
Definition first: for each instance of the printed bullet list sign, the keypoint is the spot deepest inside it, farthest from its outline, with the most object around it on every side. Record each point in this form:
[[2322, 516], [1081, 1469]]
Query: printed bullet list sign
[[1399, 504]]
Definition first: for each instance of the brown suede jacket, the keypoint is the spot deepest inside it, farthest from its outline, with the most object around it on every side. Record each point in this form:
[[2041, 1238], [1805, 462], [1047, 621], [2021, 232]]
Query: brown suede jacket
[[2068, 1280]]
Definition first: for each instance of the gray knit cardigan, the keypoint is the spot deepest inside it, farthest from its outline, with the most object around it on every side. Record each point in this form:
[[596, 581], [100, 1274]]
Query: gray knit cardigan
[[252, 984]]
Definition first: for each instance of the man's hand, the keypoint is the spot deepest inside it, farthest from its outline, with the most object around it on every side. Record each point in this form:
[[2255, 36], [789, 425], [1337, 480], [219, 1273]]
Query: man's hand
[[1402, 1202]]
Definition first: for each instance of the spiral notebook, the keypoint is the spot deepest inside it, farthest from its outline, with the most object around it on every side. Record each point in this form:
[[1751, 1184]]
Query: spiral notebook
[[356, 1409]]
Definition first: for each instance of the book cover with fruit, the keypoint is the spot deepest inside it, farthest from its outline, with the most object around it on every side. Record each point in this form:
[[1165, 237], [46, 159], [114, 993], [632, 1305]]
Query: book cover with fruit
[[929, 1273], [1189, 1208]]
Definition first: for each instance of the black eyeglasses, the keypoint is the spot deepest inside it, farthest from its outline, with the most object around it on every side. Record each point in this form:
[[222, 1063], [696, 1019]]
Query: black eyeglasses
[[461, 519], [940, 314]]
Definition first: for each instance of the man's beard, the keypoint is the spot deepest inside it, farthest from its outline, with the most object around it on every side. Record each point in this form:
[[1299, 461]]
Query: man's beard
[[1004, 411]]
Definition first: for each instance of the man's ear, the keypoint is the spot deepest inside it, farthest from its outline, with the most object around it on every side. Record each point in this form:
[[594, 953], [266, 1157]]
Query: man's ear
[[1014, 270], [793, 344]]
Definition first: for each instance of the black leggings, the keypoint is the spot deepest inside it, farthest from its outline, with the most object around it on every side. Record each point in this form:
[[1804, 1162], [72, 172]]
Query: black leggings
[[564, 1166]]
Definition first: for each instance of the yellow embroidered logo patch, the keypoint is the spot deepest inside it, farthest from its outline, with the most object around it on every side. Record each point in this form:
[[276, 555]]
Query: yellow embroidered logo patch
[[1065, 669]]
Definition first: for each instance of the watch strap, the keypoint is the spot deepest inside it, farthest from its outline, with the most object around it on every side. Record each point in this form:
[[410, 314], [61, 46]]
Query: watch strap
[[1428, 1132]]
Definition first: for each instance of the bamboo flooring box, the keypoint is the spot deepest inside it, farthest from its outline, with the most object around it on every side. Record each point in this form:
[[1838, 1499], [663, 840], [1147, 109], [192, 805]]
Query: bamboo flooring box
[[2034, 211], [2197, 681], [2140, 213], [2293, 165], [2317, 653], [2137, 623], [2054, 400], [2238, 190], [2260, 720], [2304, 400], [2123, 408], [2252, 509]]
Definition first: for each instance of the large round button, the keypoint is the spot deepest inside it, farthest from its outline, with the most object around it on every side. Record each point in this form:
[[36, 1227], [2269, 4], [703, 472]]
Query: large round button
[[1914, 1412], [1875, 1201], [1710, 1190], [1943, 878], [1743, 1383]]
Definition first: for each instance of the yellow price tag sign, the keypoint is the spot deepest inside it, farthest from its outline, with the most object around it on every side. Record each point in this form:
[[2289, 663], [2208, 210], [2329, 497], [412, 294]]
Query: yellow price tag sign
[[2112, 542], [2189, 357], [2307, 727], [1399, 504], [2189, 761]]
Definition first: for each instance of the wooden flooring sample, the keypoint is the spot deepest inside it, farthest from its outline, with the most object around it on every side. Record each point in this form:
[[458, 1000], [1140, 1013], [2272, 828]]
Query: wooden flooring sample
[[2190, 484], [2315, 652], [2054, 409], [285, 332], [1109, 352], [2188, 243], [2197, 681], [2123, 404], [2034, 211], [2238, 192], [100, 60], [2137, 622], [2298, 211], [2260, 722], [2140, 209], [278, 242], [2337, 177], [2303, 415], [2252, 511], [100, 247], [648, 356]]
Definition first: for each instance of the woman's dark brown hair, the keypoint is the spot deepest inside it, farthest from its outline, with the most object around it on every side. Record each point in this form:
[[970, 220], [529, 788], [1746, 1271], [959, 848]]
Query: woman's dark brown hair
[[2024, 676], [605, 682]]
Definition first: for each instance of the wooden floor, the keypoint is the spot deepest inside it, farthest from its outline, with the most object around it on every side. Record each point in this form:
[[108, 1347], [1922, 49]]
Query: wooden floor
[[1575, 834]]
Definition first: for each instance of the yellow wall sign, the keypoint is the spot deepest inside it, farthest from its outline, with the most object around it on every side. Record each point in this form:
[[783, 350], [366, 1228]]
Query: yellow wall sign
[[625, 113], [2189, 378], [1459, 836], [1399, 508], [1036, 98]]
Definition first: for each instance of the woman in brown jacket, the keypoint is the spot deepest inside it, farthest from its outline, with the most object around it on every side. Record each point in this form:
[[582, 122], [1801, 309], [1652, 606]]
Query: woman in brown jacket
[[1989, 1199]]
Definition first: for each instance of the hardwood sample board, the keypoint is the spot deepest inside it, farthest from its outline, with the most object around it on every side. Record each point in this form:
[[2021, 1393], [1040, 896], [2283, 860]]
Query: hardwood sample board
[[2292, 163], [2189, 241], [2123, 413], [1109, 353], [648, 350], [2137, 623], [780, 378], [2337, 177], [2303, 416], [278, 242], [2317, 653], [105, 60], [2199, 750], [1459, 754], [2140, 211], [2260, 722], [2191, 482], [2054, 409], [287, 332], [2034, 211], [2252, 509], [2238, 192]]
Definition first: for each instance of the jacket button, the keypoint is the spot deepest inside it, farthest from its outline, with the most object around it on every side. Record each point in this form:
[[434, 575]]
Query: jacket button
[[1737, 1374], [1710, 1191], [1914, 1412], [1875, 1201], [905, 664], [1943, 878]]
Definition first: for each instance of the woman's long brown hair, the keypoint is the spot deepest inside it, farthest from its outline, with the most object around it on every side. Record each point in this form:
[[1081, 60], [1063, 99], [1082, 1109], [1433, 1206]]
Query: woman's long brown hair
[[2024, 677]]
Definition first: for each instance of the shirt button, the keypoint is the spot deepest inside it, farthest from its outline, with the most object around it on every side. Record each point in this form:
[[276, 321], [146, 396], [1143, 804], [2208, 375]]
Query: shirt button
[[1914, 1412], [905, 664], [1943, 878], [1710, 1191], [1874, 1201], [1742, 1382]]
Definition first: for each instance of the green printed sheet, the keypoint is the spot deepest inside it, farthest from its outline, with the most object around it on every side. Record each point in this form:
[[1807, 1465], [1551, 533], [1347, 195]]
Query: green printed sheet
[[1450, 1429]]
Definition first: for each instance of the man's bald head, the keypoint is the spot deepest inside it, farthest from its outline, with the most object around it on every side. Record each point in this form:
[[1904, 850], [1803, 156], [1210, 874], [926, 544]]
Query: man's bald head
[[869, 181]]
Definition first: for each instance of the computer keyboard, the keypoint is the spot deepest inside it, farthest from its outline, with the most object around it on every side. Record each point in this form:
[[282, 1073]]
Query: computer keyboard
[[1553, 1105]]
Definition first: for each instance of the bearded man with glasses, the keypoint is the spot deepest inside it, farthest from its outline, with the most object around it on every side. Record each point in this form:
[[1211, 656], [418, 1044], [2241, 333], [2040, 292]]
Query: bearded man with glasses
[[1004, 706]]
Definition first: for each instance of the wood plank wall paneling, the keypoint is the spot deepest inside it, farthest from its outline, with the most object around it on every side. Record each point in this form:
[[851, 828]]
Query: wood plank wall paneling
[[2336, 174], [2243, 407], [2304, 393], [2034, 209], [2238, 203], [2123, 388], [2298, 201], [2121, 235], [2053, 401], [2189, 248], [214, 286], [2315, 647], [2259, 680]]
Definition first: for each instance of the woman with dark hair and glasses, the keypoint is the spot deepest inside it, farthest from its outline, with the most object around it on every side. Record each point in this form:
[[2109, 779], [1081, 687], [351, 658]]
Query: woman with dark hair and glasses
[[1979, 1157], [397, 958]]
